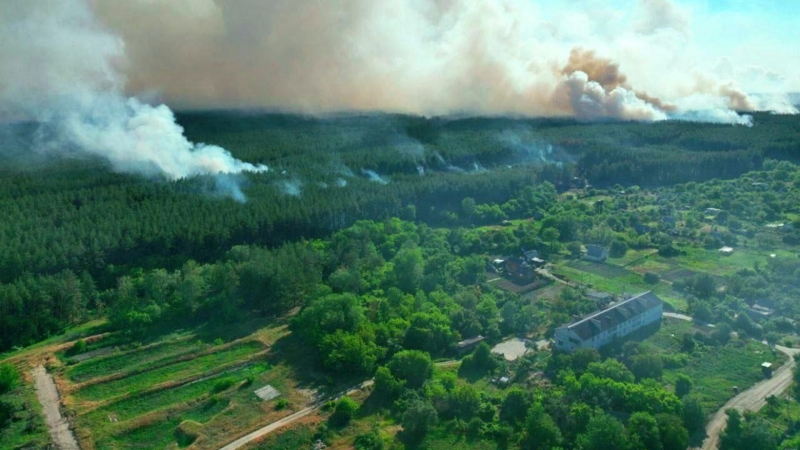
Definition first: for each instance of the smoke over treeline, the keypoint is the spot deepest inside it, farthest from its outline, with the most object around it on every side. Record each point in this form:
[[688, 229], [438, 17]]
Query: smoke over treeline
[[91, 71], [430, 57], [61, 68]]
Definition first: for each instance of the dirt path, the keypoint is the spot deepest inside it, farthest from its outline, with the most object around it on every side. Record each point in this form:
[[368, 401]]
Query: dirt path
[[678, 316], [51, 405], [752, 399], [261, 432]]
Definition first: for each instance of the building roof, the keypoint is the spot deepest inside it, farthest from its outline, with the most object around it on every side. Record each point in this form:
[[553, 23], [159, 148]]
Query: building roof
[[598, 295], [530, 255], [726, 250], [595, 250], [472, 341], [607, 319]]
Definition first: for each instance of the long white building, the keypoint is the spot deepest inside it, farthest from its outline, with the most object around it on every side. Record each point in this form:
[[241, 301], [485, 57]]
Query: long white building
[[599, 329]]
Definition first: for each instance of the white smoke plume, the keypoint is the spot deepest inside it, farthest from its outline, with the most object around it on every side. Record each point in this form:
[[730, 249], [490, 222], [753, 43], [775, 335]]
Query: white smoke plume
[[60, 67], [374, 176]]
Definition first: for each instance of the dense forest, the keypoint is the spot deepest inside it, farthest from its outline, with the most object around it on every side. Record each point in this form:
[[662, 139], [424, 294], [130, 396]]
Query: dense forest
[[371, 236]]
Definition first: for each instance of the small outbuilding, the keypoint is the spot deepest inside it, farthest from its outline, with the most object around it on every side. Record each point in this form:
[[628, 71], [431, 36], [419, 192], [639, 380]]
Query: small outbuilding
[[766, 369], [596, 253], [726, 251]]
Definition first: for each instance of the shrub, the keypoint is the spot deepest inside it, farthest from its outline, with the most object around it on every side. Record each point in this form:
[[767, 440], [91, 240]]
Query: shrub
[[346, 409], [651, 278], [369, 441], [9, 378], [281, 404], [218, 341], [77, 348], [222, 384]]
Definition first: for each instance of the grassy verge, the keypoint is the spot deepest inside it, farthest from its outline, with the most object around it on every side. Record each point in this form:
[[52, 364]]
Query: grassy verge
[[294, 438], [25, 428]]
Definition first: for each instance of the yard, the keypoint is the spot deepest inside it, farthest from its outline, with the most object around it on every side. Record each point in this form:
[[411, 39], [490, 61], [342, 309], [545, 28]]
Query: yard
[[714, 370]]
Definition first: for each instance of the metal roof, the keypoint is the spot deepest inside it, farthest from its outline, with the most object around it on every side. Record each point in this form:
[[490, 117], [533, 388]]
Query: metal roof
[[607, 319]]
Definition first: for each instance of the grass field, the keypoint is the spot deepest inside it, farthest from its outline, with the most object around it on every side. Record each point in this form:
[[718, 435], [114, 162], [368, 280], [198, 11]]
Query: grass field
[[631, 283], [714, 370]]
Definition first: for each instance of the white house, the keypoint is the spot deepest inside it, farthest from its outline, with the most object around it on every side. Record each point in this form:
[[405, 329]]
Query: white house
[[599, 329]]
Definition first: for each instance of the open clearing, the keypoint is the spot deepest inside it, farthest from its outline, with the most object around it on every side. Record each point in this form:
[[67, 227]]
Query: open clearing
[[714, 370]]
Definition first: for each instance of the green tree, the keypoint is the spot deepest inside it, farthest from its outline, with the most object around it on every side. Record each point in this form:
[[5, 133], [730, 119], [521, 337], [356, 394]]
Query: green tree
[[618, 248], [603, 433], [418, 418], [673, 434], [647, 365], [345, 411], [408, 268], [731, 438], [414, 367], [515, 406], [541, 431], [694, 417], [348, 353], [651, 278], [683, 385], [643, 432]]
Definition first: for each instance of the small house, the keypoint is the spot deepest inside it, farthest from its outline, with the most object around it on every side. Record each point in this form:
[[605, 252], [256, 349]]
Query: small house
[[600, 298], [596, 253], [468, 344], [713, 211], [760, 311], [532, 258]]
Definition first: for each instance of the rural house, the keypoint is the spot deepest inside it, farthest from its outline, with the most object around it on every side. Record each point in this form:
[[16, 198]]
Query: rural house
[[599, 329], [596, 253]]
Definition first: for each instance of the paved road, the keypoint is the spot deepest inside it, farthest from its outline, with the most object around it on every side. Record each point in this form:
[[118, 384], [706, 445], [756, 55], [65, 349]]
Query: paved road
[[752, 399], [51, 405]]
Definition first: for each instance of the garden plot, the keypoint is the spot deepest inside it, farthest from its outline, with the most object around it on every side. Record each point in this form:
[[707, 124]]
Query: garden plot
[[175, 372]]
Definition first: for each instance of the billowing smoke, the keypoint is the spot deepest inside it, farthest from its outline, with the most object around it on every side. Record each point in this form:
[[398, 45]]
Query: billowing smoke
[[61, 60], [434, 57], [60, 67]]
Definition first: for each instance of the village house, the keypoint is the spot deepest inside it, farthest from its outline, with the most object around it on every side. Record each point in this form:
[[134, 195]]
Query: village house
[[596, 253], [620, 320]]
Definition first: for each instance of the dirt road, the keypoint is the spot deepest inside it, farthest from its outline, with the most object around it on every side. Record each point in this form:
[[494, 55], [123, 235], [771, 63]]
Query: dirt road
[[246, 439], [752, 399], [261, 432], [51, 405]]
